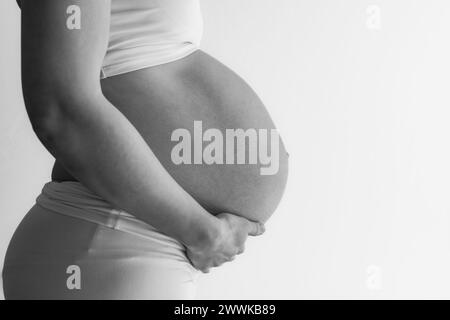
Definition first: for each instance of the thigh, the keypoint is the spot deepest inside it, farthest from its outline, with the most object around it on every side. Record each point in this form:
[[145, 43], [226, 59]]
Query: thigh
[[121, 265], [41, 251], [52, 256]]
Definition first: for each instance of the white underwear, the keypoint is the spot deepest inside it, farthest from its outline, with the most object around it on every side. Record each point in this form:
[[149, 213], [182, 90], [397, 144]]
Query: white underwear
[[119, 256]]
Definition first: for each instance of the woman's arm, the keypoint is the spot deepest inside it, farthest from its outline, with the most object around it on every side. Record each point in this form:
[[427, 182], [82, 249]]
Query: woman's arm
[[93, 140]]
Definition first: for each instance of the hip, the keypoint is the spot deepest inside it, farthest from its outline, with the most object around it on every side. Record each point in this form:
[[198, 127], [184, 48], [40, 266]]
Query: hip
[[116, 255]]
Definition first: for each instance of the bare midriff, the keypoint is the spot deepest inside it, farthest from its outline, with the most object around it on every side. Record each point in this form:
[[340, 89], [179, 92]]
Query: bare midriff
[[199, 89]]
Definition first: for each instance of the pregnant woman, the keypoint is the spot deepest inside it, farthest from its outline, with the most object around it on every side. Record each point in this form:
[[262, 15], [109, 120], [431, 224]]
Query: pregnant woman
[[166, 160]]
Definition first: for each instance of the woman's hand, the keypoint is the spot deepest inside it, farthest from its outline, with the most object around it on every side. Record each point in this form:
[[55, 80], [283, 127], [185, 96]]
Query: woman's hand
[[233, 231]]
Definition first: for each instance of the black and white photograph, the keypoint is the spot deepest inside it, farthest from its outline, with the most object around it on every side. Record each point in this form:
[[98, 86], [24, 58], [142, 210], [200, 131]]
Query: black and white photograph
[[193, 150]]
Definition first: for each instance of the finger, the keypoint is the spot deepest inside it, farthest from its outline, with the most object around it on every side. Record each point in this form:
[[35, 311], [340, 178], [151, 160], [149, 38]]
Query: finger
[[202, 267], [218, 263], [256, 229]]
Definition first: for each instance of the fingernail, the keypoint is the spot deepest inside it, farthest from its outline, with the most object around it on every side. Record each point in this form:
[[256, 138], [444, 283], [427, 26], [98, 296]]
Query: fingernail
[[263, 228]]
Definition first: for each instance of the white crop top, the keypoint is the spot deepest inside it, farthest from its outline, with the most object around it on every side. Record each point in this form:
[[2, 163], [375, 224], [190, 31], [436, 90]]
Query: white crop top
[[146, 33]]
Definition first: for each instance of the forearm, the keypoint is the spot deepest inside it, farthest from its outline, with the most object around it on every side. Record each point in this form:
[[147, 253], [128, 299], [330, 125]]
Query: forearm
[[104, 151]]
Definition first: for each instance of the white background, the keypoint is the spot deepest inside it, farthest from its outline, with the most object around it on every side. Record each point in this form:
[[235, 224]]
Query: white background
[[363, 109]]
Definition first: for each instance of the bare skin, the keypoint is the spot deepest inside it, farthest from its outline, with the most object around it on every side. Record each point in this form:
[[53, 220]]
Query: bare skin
[[161, 99], [123, 156]]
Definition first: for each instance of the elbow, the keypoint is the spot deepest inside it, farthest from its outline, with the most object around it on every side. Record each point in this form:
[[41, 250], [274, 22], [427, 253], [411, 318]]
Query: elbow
[[57, 110], [46, 120]]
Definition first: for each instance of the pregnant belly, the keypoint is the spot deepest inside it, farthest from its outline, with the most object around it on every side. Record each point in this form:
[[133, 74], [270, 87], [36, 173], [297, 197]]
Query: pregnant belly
[[189, 113]]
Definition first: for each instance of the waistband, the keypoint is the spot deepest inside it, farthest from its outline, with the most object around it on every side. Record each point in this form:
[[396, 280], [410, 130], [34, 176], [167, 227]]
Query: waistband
[[72, 199], [129, 60]]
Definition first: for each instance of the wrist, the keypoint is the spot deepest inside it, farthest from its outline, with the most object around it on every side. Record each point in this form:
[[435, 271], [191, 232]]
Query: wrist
[[204, 232]]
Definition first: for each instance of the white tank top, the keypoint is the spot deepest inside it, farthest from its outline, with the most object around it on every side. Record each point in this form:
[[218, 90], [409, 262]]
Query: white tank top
[[147, 33]]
